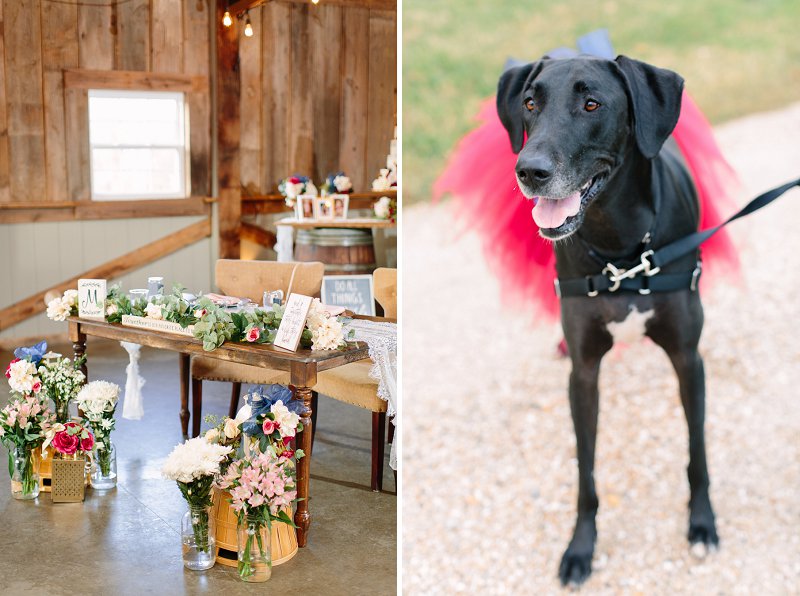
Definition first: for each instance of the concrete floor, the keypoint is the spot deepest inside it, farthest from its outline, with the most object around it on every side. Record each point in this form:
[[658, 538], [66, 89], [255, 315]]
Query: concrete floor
[[127, 541]]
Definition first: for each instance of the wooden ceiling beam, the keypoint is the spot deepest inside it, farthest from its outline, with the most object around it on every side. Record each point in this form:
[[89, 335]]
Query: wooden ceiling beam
[[240, 6]]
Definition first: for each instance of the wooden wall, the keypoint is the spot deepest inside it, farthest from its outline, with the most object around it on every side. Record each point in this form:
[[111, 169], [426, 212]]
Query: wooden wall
[[318, 93], [44, 155]]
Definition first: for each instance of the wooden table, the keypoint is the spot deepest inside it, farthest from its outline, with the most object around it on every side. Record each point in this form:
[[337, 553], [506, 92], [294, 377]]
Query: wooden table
[[302, 365]]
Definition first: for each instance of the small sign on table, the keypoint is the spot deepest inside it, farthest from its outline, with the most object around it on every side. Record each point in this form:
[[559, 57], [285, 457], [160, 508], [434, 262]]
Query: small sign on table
[[92, 299], [293, 322], [354, 292]]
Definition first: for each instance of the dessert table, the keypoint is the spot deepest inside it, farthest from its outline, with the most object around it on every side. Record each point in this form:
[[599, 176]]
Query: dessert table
[[302, 366]]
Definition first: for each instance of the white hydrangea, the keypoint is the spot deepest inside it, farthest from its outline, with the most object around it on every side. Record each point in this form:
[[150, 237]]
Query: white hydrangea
[[98, 397], [194, 459], [22, 376]]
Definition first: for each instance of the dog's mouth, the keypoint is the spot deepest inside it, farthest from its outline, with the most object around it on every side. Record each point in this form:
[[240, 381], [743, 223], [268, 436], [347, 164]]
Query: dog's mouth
[[559, 217]]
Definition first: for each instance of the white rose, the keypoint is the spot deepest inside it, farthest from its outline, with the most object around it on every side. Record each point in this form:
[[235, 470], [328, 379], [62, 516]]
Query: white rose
[[111, 309], [342, 183], [21, 376], [57, 310], [153, 311], [71, 297], [286, 419], [212, 436], [382, 207], [231, 428]]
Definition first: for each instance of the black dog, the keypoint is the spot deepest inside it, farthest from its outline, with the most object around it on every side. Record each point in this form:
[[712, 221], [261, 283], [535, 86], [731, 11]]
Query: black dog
[[608, 189]]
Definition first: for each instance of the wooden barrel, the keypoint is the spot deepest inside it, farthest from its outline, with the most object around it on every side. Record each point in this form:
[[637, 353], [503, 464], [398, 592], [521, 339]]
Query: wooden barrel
[[345, 251], [283, 543]]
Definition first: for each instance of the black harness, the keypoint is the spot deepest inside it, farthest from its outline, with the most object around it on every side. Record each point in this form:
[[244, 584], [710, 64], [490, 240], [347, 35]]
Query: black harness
[[643, 274]]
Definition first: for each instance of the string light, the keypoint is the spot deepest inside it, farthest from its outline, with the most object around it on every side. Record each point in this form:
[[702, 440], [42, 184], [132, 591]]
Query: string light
[[248, 27], [226, 19]]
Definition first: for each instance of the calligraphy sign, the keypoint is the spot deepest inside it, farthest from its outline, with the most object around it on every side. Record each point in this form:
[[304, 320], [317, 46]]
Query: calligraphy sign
[[293, 322], [92, 299], [354, 292]]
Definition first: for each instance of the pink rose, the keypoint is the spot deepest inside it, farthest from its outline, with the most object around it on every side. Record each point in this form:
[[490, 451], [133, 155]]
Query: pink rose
[[37, 386], [253, 334], [66, 443], [8, 370], [287, 454], [269, 426], [87, 443]]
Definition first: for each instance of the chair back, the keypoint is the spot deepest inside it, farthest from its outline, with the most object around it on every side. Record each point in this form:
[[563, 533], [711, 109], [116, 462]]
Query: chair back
[[385, 284], [249, 279]]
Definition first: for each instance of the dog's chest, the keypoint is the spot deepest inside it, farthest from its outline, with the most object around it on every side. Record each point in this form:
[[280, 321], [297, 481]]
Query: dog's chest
[[632, 327]]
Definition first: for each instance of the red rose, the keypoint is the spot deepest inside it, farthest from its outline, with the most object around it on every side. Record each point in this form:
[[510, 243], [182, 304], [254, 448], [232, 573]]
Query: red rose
[[8, 370], [253, 334], [287, 454], [294, 180], [269, 426], [37, 386], [87, 443], [66, 443], [287, 440]]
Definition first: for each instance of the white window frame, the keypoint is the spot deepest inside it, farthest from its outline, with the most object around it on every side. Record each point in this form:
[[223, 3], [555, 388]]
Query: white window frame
[[183, 159]]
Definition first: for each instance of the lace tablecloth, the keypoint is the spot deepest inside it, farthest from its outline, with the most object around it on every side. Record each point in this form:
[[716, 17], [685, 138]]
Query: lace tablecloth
[[381, 338]]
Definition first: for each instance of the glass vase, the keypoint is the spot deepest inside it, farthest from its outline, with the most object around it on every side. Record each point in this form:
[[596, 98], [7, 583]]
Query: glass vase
[[198, 531], [254, 556], [61, 408], [24, 473], [104, 469]]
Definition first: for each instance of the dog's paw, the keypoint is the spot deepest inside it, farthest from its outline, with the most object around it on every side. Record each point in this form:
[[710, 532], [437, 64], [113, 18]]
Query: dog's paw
[[703, 539], [575, 567]]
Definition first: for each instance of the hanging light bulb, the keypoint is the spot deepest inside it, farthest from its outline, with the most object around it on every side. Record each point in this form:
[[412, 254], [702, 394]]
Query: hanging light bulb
[[226, 19], [248, 27], [314, 2]]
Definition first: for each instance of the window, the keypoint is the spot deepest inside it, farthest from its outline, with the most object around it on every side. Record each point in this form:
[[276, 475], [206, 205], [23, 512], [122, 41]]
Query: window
[[138, 145]]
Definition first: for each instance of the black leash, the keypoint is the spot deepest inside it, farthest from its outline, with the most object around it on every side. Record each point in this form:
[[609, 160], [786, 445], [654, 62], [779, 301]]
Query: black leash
[[644, 277]]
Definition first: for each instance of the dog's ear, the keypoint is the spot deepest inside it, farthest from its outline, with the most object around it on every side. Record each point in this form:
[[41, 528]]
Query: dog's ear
[[655, 96], [509, 100]]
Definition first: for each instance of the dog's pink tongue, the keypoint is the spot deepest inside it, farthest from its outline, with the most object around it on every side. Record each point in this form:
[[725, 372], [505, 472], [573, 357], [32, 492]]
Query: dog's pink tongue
[[551, 213]]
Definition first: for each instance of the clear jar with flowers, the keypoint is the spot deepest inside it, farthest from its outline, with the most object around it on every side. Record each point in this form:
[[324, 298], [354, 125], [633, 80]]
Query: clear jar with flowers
[[98, 402]]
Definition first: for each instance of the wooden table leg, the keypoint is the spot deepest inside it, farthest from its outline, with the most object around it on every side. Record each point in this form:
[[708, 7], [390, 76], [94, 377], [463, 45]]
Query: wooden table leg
[[184, 413], [79, 346], [302, 518]]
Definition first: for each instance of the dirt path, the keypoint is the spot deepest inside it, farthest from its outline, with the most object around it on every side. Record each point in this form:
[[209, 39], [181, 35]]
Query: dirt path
[[489, 475]]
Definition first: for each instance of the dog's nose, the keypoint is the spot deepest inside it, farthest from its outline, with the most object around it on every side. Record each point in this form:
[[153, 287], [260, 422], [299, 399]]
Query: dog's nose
[[535, 169]]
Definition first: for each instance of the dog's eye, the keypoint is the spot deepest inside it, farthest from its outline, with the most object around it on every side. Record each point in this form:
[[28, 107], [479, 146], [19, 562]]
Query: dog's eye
[[530, 105], [591, 105]]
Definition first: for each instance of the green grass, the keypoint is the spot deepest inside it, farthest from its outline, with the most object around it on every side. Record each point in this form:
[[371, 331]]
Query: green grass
[[737, 56]]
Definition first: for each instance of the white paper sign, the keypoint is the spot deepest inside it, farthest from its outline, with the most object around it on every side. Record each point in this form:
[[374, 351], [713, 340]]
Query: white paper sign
[[92, 299], [293, 322]]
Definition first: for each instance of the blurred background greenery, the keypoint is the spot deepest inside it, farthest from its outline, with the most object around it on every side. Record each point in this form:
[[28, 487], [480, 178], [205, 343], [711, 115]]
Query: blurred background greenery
[[738, 57]]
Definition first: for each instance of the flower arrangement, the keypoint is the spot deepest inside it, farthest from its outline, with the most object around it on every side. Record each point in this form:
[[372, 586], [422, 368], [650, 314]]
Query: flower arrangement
[[58, 309], [336, 183], [194, 465], [71, 439], [386, 208], [273, 421], [98, 401], [24, 422], [61, 380], [22, 372], [294, 186]]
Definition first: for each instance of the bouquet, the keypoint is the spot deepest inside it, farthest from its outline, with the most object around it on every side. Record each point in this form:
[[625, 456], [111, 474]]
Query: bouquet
[[294, 186], [325, 332], [71, 439], [261, 485], [385, 208], [61, 380], [98, 401], [274, 420], [337, 183], [194, 465], [386, 180], [24, 422], [22, 372], [58, 309]]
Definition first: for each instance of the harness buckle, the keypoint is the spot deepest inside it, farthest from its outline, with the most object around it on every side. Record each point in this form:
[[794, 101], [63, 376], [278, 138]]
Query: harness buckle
[[592, 292], [648, 271], [615, 276], [696, 276]]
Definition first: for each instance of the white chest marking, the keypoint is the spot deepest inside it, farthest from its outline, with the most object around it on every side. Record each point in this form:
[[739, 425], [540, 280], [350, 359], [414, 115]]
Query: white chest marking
[[632, 328]]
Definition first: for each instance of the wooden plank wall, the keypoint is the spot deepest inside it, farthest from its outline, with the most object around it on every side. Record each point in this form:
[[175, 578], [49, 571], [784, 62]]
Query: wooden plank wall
[[44, 152], [319, 93]]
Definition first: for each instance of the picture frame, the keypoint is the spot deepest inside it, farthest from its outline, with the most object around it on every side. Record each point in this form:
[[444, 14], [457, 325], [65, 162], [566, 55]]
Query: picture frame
[[323, 208], [341, 203], [304, 207]]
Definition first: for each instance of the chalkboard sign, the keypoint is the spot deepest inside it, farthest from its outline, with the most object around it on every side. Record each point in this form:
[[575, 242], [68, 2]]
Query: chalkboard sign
[[354, 292]]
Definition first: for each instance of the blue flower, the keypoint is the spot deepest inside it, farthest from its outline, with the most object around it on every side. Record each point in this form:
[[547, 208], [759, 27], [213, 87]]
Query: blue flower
[[33, 353]]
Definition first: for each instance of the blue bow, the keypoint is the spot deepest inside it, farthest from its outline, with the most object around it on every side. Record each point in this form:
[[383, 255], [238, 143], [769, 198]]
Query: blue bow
[[269, 395], [34, 353]]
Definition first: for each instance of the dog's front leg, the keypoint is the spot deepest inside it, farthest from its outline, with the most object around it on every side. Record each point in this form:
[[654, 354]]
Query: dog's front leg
[[576, 564]]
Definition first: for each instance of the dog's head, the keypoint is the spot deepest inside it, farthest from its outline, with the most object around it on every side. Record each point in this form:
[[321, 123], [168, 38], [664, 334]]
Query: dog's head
[[580, 116]]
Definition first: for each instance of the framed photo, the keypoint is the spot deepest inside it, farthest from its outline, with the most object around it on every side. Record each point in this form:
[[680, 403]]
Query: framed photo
[[304, 207], [324, 207], [340, 205]]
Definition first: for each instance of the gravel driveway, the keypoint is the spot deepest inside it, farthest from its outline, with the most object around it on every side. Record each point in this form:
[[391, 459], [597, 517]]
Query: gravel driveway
[[489, 469]]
